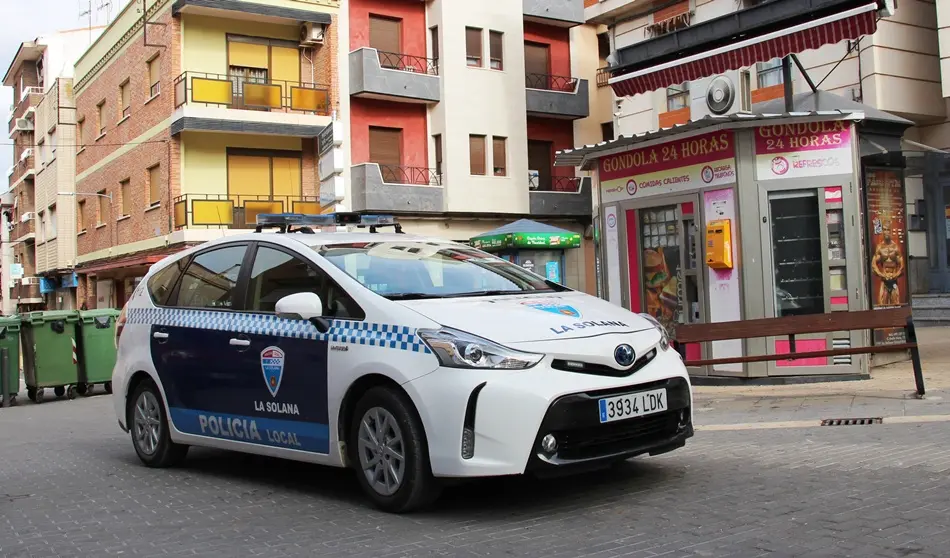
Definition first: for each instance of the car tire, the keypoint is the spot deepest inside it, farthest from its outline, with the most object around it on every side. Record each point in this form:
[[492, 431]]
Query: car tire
[[391, 412], [148, 427]]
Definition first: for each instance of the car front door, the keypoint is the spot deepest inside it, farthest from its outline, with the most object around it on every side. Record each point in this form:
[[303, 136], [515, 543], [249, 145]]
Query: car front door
[[284, 369], [197, 342]]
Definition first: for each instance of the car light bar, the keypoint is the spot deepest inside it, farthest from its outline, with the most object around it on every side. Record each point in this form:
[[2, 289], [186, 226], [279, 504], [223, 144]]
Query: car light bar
[[303, 221]]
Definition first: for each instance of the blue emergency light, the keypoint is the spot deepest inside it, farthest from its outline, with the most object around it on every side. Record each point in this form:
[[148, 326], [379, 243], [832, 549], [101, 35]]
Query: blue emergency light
[[303, 221]]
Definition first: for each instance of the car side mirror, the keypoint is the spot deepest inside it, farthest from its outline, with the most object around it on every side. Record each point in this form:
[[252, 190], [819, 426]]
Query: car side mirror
[[303, 306]]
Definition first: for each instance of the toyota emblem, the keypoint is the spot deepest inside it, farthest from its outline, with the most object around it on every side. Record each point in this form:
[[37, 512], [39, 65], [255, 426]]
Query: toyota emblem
[[624, 355]]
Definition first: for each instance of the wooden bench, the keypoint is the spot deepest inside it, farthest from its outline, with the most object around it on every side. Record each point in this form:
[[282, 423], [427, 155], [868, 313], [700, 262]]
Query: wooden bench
[[801, 325]]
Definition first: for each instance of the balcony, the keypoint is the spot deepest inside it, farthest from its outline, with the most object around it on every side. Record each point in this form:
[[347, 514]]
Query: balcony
[[392, 76], [24, 231], [28, 293], [231, 103], [378, 187], [559, 195], [557, 96], [231, 211], [24, 169], [561, 13], [29, 97]]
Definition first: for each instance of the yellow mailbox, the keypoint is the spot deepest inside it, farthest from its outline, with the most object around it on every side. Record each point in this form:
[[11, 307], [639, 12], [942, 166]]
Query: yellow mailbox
[[719, 244]]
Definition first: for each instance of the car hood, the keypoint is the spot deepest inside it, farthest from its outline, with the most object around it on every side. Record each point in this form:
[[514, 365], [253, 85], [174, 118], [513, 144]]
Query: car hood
[[526, 318]]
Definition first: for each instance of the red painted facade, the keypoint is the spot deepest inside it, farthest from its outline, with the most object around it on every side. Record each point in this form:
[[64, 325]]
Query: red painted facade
[[411, 12], [411, 118], [558, 40], [559, 132]]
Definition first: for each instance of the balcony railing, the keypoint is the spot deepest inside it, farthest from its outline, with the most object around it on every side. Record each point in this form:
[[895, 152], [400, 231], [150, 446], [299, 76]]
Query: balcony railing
[[562, 184], [22, 229], [408, 63], [251, 93], [550, 83], [27, 292], [419, 176], [236, 211], [603, 77], [22, 168]]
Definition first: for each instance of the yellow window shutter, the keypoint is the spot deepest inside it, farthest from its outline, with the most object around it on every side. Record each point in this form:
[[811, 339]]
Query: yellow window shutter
[[285, 68], [247, 55], [248, 178], [287, 177]]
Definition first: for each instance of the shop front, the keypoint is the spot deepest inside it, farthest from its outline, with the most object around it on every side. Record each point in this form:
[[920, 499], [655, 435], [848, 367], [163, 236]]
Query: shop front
[[537, 247], [735, 218]]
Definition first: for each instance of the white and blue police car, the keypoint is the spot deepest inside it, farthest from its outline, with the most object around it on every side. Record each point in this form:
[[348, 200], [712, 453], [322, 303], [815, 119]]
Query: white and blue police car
[[411, 360]]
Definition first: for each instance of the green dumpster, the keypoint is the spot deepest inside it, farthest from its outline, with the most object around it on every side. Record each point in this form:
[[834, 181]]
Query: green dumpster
[[10, 340], [49, 353], [95, 344]]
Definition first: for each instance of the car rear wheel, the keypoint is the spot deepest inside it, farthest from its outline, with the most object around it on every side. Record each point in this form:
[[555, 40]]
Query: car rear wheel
[[387, 448], [149, 428]]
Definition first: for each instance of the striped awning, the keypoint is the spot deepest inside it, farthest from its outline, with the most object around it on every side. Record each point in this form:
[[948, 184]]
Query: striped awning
[[850, 24]]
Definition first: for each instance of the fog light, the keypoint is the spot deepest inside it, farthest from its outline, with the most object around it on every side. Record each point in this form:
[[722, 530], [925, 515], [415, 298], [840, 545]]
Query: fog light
[[684, 418], [549, 443]]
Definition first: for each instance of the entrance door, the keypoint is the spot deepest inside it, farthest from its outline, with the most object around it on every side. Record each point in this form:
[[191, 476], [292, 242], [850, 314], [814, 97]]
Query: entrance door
[[385, 148], [539, 161], [537, 65]]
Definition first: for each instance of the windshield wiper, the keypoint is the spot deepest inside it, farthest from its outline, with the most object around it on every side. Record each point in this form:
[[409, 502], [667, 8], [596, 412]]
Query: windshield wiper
[[497, 292], [410, 296]]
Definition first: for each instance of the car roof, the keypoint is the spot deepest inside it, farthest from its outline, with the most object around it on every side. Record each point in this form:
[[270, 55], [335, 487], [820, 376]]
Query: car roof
[[325, 238]]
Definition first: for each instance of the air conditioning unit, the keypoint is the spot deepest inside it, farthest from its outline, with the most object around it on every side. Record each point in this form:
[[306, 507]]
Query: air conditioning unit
[[724, 97], [888, 8], [27, 216], [23, 125], [30, 281], [311, 34]]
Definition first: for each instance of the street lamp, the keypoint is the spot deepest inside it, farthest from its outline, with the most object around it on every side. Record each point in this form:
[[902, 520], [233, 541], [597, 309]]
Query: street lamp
[[86, 194]]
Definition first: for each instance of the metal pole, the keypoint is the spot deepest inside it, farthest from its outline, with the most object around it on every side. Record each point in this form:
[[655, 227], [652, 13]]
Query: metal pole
[[787, 80], [5, 377], [915, 357]]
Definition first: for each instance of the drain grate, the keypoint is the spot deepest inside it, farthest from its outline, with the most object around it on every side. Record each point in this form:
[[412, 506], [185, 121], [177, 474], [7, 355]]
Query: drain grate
[[851, 421]]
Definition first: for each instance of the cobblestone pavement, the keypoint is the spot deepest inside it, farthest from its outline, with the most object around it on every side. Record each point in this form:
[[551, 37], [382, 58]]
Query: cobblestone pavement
[[70, 485]]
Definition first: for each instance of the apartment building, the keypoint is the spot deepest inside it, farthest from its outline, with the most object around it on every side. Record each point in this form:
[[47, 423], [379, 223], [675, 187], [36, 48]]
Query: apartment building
[[897, 69], [457, 108], [193, 117], [41, 128]]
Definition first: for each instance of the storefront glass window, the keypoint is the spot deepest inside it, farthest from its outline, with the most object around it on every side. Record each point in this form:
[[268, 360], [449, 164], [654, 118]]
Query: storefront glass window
[[661, 264], [796, 251]]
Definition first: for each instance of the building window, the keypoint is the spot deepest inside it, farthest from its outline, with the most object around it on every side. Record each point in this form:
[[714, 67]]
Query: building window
[[154, 77], [41, 152], [79, 126], [677, 96], [80, 221], [103, 208], [154, 185], [260, 181], [496, 50], [41, 226], [125, 194], [51, 223], [473, 46], [125, 100], [438, 153], [500, 156], [607, 130], [603, 45], [100, 117], [769, 73], [435, 43], [385, 35], [476, 154], [52, 144], [261, 72]]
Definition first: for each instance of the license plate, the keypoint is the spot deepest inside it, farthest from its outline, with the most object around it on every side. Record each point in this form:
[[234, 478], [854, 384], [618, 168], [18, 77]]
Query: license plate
[[632, 405]]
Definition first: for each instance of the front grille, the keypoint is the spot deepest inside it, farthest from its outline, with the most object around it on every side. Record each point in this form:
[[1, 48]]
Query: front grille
[[617, 437], [602, 369]]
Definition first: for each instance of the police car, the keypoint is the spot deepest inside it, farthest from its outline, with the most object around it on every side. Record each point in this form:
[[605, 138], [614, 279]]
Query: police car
[[411, 360]]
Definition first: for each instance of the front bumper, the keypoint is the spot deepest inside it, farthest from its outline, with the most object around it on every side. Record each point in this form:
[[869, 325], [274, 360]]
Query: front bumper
[[508, 413]]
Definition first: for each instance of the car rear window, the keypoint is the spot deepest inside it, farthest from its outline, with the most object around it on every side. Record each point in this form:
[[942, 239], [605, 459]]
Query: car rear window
[[161, 284]]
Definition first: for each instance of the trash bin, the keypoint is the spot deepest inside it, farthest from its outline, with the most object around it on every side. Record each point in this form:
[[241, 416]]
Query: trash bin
[[10, 340], [95, 346], [49, 353]]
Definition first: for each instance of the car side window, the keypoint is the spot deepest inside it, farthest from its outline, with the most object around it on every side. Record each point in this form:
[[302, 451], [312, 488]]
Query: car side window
[[276, 274], [161, 284], [210, 281]]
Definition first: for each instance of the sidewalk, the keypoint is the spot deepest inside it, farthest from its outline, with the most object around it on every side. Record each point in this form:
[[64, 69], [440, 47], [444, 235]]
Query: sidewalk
[[889, 393]]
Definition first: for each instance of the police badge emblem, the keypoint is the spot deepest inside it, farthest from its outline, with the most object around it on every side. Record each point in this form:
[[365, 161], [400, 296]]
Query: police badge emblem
[[272, 364]]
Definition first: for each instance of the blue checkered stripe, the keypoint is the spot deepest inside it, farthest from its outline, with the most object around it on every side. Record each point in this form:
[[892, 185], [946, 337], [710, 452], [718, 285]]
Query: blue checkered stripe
[[341, 331]]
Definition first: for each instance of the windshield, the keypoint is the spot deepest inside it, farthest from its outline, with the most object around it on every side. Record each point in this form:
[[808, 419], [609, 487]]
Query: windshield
[[405, 270]]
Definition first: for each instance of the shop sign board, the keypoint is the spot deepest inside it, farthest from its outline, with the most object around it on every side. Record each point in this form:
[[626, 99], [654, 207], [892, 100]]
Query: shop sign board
[[677, 166], [803, 150], [527, 240], [887, 236]]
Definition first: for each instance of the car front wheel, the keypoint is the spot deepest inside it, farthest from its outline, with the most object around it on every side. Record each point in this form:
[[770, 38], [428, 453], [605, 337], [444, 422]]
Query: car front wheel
[[149, 428], [387, 447]]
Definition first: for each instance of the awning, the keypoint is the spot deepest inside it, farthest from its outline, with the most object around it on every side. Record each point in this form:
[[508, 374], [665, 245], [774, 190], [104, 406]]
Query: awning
[[850, 25], [526, 234]]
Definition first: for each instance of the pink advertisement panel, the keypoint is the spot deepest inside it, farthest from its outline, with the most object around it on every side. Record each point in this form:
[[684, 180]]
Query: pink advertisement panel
[[723, 284]]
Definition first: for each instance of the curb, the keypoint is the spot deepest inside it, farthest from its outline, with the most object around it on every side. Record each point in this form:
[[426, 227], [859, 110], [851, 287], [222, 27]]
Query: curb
[[912, 419]]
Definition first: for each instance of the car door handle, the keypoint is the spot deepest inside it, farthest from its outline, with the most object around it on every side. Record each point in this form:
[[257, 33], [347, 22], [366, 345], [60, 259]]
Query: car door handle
[[160, 335], [240, 342]]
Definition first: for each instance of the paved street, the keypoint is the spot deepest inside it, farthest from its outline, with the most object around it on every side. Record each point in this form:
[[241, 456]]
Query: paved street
[[70, 485]]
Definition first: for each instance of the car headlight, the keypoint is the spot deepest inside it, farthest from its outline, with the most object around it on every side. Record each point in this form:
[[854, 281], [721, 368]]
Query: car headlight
[[664, 336], [457, 349]]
